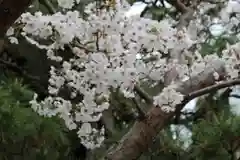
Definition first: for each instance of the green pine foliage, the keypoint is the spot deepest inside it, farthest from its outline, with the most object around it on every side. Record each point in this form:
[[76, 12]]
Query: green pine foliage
[[217, 139], [24, 135], [215, 134]]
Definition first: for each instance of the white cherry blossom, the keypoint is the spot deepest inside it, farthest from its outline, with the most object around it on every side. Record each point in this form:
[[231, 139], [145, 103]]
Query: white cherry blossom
[[105, 47]]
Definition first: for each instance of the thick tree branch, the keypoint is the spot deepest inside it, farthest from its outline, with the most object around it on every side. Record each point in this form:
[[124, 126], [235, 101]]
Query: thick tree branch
[[213, 88], [138, 139], [186, 12], [178, 5]]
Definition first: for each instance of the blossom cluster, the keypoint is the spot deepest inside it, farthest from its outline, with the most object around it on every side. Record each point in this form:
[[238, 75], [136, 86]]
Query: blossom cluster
[[112, 51]]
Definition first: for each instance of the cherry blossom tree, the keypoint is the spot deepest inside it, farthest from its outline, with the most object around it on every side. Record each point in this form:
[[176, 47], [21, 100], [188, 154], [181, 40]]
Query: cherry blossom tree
[[114, 53]]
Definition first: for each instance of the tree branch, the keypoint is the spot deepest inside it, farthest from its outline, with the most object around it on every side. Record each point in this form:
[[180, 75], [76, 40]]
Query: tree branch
[[187, 12], [213, 88], [142, 133], [178, 5], [235, 96]]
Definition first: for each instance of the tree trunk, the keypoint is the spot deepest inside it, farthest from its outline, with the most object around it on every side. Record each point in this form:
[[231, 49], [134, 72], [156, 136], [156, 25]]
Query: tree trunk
[[140, 136]]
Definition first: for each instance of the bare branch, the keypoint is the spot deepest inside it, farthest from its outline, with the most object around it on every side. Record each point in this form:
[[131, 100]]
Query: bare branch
[[235, 96], [213, 88]]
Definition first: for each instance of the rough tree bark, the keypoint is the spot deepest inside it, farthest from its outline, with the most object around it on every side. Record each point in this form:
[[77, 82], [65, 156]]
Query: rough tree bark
[[140, 136]]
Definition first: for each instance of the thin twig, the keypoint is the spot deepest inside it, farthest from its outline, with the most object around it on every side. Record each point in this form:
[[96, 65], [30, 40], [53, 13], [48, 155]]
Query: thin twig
[[19, 70]]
